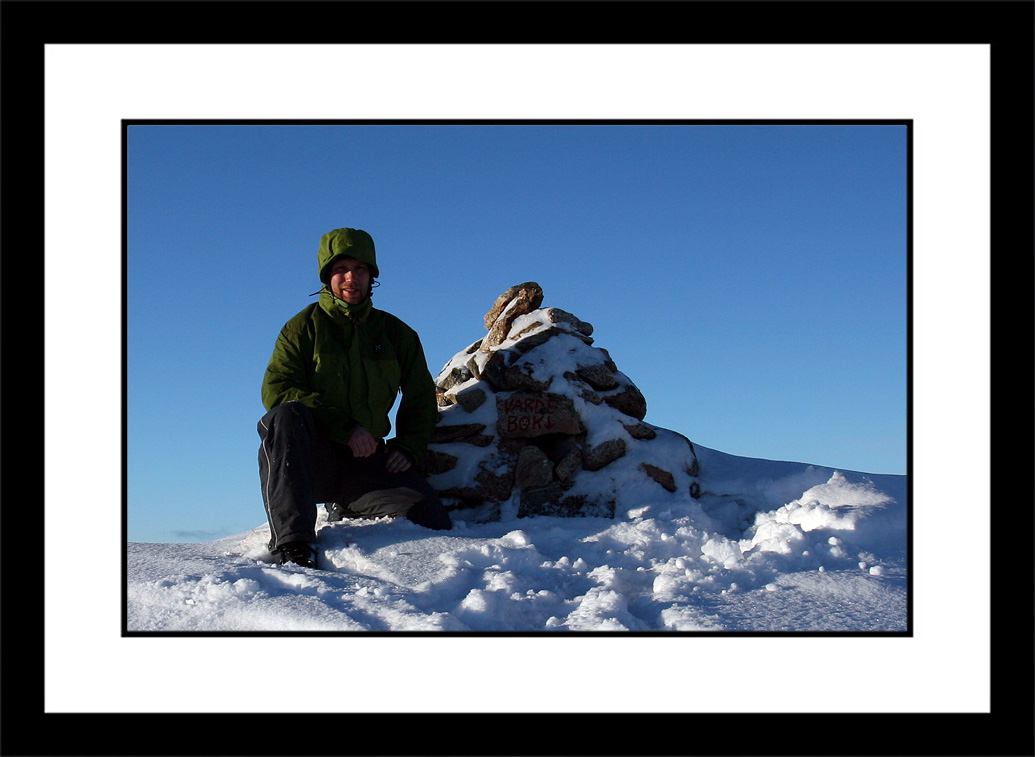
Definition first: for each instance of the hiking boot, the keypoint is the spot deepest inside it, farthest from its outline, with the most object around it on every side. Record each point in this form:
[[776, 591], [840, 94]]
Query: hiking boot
[[336, 513], [297, 553]]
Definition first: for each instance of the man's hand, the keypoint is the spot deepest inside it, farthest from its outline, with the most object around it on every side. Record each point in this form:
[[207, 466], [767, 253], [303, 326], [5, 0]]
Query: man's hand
[[362, 442], [397, 462]]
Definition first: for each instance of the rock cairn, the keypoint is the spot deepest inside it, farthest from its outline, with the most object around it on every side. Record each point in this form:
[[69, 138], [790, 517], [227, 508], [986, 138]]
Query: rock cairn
[[534, 415]]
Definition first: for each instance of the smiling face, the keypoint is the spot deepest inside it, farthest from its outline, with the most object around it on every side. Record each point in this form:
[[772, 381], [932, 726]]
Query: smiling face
[[350, 280]]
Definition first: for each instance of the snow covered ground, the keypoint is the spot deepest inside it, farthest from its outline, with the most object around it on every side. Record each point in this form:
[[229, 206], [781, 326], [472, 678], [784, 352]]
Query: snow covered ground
[[769, 546]]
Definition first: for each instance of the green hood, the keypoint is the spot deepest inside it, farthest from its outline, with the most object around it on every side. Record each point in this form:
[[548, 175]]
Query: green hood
[[353, 243]]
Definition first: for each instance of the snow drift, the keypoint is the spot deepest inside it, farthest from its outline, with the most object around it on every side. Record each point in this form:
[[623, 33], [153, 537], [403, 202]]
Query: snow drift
[[767, 547]]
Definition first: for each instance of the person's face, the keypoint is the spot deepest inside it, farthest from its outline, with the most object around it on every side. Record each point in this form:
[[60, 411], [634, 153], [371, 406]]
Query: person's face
[[350, 280]]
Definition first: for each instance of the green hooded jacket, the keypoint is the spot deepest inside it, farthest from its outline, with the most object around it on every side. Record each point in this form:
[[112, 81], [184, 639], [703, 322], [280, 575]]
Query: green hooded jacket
[[347, 363]]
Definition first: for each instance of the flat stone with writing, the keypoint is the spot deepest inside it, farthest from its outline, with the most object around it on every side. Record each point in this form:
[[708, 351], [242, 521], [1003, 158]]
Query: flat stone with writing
[[530, 414]]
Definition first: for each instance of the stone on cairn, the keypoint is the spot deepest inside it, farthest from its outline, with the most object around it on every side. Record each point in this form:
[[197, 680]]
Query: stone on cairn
[[532, 414]]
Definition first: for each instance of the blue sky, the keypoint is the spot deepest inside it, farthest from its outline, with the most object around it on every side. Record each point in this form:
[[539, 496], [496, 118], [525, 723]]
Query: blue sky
[[750, 279]]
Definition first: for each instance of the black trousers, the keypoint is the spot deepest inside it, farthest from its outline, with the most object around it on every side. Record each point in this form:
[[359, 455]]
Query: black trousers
[[299, 469]]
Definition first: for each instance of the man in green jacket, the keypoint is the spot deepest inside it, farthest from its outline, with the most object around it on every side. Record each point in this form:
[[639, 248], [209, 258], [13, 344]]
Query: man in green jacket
[[331, 382]]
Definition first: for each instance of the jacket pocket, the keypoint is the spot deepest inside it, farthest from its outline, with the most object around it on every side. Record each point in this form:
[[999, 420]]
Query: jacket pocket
[[385, 375]]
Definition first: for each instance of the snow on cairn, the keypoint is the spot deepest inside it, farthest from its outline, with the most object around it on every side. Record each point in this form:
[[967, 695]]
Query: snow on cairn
[[534, 412], [571, 514]]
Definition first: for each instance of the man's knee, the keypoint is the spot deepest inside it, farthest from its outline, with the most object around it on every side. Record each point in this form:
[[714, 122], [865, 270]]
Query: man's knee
[[291, 416], [416, 504]]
